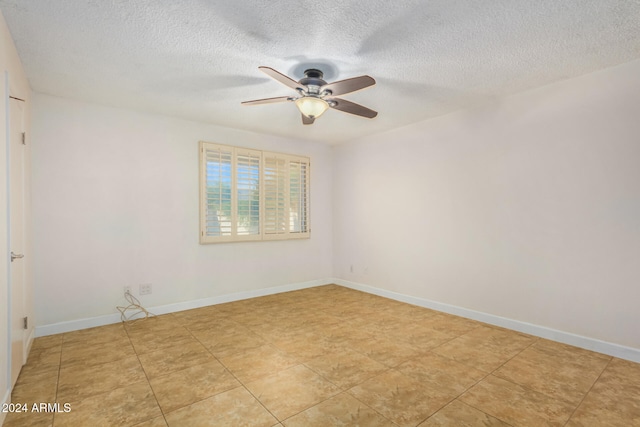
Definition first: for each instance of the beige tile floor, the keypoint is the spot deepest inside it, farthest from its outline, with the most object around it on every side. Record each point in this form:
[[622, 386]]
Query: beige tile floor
[[325, 356]]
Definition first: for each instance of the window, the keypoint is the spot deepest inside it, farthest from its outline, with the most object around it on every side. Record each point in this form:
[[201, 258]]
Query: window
[[252, 195]]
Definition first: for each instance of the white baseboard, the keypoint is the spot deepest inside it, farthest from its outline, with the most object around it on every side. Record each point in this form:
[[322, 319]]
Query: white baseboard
[[107, 319], [616, 350], [28, 343]]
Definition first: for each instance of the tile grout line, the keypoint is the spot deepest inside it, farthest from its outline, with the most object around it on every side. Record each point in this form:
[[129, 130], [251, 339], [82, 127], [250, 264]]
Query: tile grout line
[[55, 399], [525, 386], [346, 390], [536, 391], [485, 377], [588, 391], [233, 375], [393, 368], [184, 369], [145, 374], [303, 363], [472, 385], [270, 343]]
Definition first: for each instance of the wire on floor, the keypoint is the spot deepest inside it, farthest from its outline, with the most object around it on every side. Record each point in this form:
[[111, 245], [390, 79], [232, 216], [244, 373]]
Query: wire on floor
[[135, 307]]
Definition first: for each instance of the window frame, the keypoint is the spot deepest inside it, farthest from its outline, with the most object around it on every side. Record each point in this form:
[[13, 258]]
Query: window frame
[[263, 233]]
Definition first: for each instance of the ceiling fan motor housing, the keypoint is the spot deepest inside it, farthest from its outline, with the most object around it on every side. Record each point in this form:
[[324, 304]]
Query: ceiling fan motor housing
[[313, 80]]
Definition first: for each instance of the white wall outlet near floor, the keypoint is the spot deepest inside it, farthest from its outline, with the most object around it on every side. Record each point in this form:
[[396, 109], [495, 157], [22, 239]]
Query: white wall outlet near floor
[[145, 289]]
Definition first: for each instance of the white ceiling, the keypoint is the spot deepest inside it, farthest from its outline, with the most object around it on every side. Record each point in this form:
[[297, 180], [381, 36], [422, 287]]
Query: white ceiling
[[198, 59]]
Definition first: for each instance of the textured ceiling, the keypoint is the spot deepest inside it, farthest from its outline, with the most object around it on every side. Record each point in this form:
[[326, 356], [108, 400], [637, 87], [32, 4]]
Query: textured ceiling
[[198, 59]]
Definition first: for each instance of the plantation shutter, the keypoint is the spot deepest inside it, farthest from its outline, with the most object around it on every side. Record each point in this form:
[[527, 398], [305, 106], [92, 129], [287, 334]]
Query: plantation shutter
[[252, 195], [286, 192]]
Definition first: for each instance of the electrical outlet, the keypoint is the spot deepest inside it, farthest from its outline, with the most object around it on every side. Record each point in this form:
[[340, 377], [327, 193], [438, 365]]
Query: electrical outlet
[[145, 289], [128, 289]]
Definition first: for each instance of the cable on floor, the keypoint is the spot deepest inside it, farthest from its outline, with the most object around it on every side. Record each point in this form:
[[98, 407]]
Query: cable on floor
[[135, 306]]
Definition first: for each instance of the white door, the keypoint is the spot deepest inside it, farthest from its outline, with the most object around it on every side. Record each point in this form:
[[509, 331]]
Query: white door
[[16, 235]]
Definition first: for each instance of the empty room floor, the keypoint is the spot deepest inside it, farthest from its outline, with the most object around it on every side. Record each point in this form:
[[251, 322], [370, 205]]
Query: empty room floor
[[324, 356]]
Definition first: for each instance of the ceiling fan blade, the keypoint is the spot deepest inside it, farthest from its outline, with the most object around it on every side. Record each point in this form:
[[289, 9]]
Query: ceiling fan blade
[[351, 107], [287, 81], [349, 85], [306, 120], [268, 100]]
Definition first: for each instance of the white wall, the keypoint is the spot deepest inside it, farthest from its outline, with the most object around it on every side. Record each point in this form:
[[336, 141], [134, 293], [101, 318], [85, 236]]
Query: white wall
[[13, 81], [527, 209], [115, 198]]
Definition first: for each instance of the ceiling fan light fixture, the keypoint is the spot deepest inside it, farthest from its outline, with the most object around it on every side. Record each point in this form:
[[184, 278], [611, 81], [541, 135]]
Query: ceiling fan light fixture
[[311, 106]]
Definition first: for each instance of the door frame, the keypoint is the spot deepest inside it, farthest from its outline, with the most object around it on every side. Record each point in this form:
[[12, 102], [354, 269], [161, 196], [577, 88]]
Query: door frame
[[14, 105]]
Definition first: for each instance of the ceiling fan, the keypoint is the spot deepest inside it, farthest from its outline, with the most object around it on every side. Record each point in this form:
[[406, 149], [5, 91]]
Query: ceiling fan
[[315, 95]]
